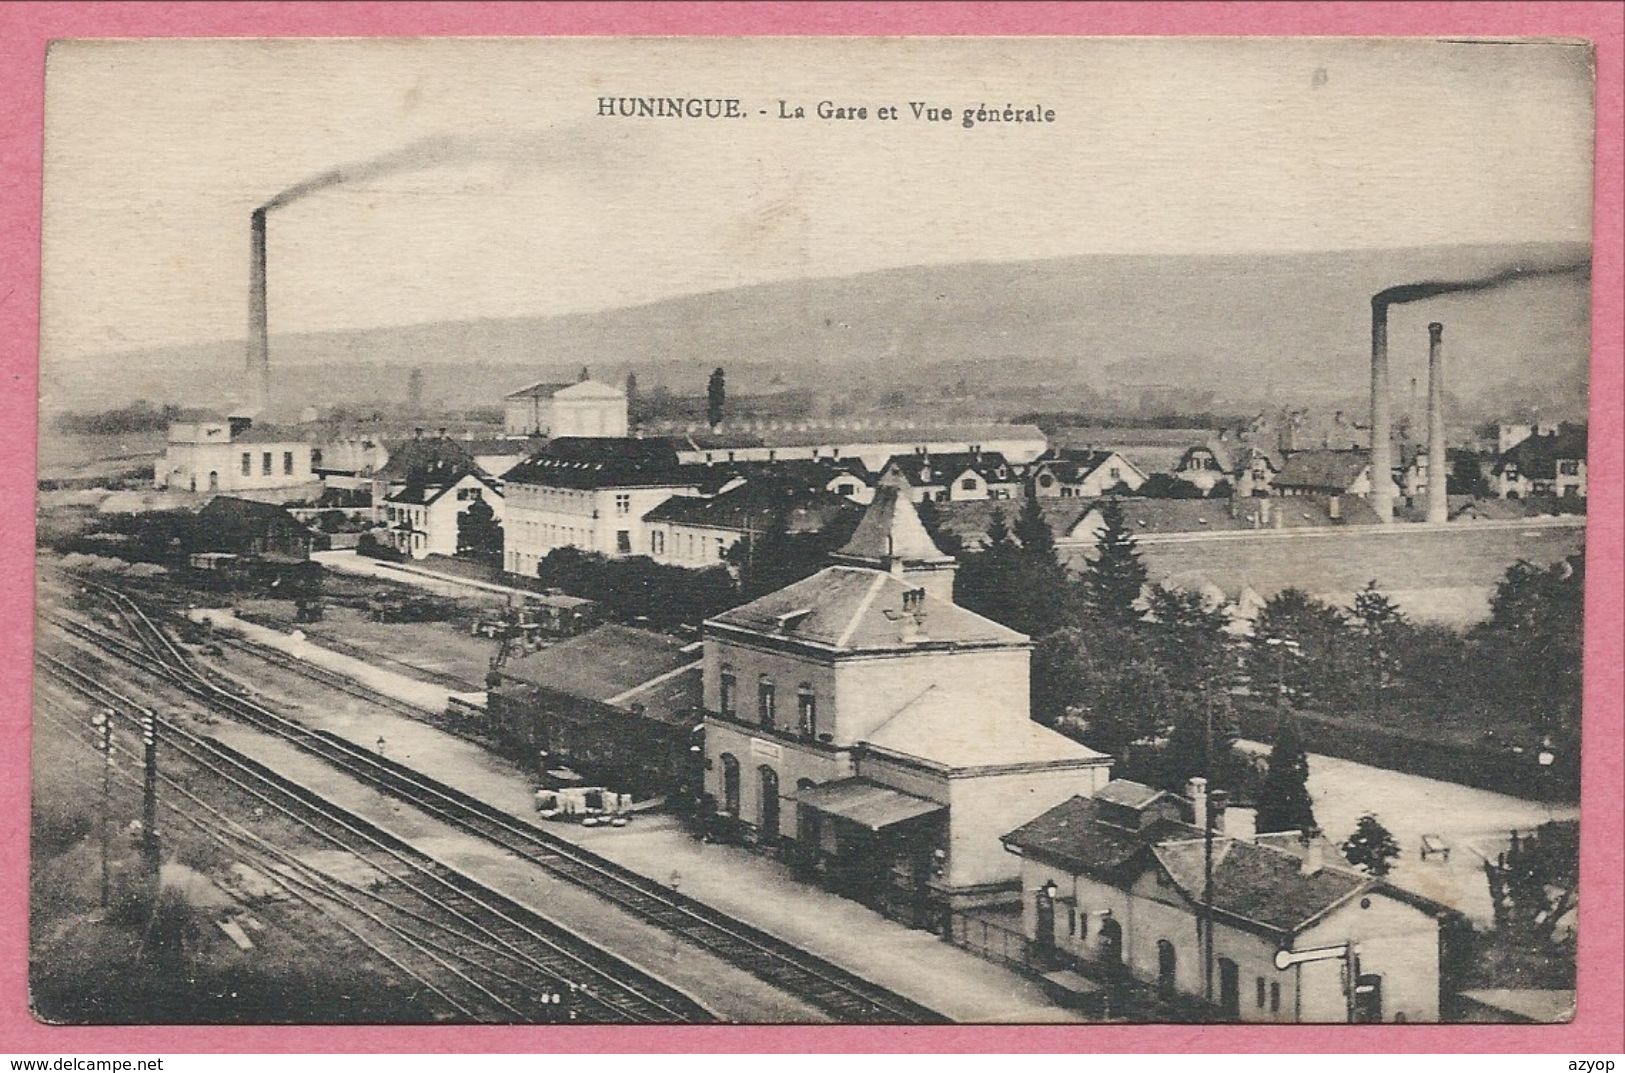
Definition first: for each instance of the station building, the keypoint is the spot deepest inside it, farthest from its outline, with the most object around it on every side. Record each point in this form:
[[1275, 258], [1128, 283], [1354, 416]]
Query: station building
[[1117, 884], [878, 731]]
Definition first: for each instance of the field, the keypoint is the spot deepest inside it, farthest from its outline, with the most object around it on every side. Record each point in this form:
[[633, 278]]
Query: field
[[1436, 576]]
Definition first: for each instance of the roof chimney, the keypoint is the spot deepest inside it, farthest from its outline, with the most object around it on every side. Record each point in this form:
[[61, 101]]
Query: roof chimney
[[1312, 861], [1196, 790]]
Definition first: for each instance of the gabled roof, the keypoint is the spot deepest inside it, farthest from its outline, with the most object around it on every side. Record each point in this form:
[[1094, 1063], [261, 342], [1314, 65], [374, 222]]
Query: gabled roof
[[1327, 469], [1072, 835], [542, 389], [590, 389], [891, 529], [761, 506], [436, 458], [935, 470], [1072, 465], [850, 609], [1261, 884], [230, 510], [1537, 456], [421, 491], [968, 519]]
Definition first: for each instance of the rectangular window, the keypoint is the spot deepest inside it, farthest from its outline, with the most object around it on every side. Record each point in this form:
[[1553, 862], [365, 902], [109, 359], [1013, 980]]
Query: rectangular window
[[1261, 983], [968, 484], [845, 488], [807, 712], [623, 504], [248, 464], [1569, 468], [730, 685], [657, 542], [1275, 998], [287, 463], [765, 702], [623, 542], [265, 463], [1117, 473]]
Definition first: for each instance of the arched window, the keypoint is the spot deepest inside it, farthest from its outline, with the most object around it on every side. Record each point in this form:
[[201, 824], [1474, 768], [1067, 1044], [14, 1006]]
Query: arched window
[[768, 806], [730, 785], [765, 700], [806, 710], [1167, 961]]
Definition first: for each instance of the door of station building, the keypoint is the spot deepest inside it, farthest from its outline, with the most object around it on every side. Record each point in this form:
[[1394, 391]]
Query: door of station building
[[1229, 988], [1368, 998]]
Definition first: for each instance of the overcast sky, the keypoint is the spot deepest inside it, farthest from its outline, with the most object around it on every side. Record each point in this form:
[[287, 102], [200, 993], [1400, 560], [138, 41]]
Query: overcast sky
[[532, 205]]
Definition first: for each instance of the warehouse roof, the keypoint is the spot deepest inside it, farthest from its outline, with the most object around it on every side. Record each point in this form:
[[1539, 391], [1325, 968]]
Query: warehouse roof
[[615, 665]]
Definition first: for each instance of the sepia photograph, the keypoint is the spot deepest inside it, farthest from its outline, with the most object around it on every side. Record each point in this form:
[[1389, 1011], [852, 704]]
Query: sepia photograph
[[811, 531]]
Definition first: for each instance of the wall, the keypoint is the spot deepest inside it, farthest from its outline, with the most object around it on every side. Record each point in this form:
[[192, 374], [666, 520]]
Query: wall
[[1395, 940], [695, 546], [787, 671], [183, 462], [544, 517], [874, 453], [791, 761], [985, 808], [871, 689]]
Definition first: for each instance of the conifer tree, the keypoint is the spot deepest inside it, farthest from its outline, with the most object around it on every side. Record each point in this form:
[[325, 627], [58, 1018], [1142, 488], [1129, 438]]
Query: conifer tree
[[1033, 532], [1284, 803], [1114, 580]]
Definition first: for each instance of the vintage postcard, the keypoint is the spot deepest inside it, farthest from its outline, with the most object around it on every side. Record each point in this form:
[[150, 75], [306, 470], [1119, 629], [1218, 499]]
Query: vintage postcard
[[811, 531]]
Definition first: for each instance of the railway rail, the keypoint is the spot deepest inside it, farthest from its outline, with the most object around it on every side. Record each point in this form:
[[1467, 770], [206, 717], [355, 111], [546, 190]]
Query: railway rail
[[843, 995], [489, 958]]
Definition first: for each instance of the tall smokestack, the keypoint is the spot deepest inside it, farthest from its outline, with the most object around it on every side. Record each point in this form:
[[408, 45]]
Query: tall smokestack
[[1438, 472], [1382, 425], [259, 342]]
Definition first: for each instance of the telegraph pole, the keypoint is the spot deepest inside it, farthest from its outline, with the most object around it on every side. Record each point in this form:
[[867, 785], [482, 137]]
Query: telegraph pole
[[149, 798], [103, 722], [1207, 845]]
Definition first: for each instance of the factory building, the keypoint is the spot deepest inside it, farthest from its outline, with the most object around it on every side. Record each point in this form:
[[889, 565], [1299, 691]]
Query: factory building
[[1117, 885], [875, 443], [592, 494], [585, 408], [879, 731], [208, 452]]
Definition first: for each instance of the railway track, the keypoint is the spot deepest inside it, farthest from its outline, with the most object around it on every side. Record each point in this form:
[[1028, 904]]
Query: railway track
[[843, 995], [485, 956]]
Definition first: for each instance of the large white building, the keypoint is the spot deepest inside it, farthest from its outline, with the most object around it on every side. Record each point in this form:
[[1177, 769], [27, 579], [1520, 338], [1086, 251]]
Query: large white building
[[590, 494], [880, 729], [423, 517], [211, 453], [585, 408]]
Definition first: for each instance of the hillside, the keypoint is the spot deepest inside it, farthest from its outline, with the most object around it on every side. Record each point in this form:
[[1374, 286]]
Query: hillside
[[1132, 330]]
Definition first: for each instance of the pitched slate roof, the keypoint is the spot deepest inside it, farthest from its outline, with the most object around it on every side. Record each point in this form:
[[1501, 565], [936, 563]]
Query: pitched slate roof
[[891, 529], [1537, 456], [760, 506], [436, 458], [1073, 835], [608, 663], [1263, 884], [933, 470], [1327, 469], [590, 462], [968, 519], [849, 609]]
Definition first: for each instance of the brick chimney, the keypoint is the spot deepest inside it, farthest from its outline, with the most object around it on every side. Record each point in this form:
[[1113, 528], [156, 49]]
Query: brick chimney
[[1196, 790]]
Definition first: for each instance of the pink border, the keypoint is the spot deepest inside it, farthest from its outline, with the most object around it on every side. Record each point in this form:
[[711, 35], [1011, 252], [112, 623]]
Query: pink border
[[24, 31]]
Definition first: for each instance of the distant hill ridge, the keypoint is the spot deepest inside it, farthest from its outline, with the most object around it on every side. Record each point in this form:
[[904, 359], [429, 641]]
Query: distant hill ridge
[[1241, 326]]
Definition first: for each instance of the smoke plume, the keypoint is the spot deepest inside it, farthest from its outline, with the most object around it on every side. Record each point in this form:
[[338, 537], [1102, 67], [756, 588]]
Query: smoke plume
[[1415, 292], [538, 150]]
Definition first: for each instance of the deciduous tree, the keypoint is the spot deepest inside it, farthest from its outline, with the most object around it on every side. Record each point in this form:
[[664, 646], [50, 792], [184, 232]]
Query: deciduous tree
[[1371, 848]]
